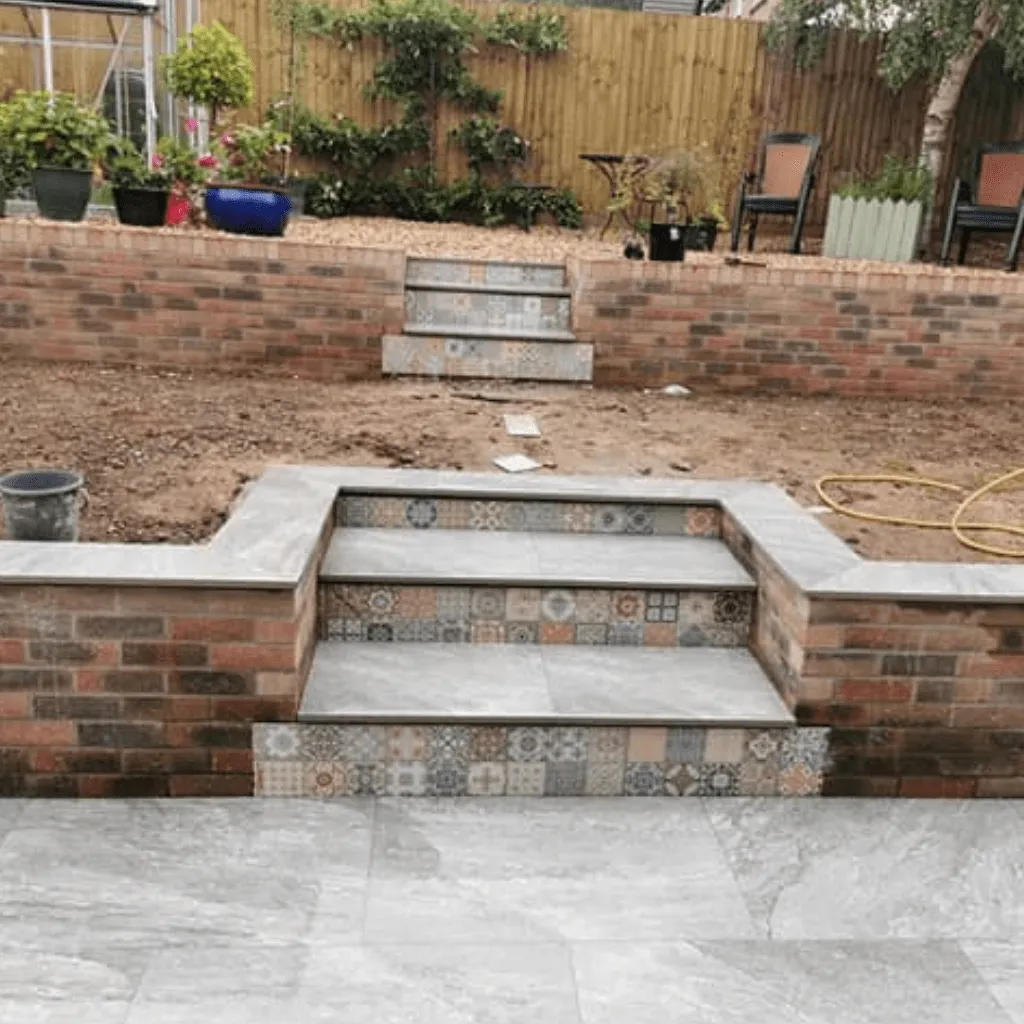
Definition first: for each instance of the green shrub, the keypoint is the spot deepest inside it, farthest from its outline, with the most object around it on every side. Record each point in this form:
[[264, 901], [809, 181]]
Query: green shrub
[[125, 167], [40, 130], [215, 71], [898, 180]]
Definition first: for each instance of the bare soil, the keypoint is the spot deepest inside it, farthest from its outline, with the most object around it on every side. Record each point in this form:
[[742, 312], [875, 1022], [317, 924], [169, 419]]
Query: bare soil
[[165, 453]]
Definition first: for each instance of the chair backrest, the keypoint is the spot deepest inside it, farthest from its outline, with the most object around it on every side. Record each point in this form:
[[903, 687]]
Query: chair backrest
[[787, 163], [999, 174]]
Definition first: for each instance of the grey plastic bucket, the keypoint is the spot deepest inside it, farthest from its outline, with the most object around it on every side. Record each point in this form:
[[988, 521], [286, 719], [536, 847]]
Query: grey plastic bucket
[[41, 504]]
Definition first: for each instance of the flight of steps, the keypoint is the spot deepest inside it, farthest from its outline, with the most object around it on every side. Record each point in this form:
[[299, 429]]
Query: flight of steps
[[534, 647], [467, 318]]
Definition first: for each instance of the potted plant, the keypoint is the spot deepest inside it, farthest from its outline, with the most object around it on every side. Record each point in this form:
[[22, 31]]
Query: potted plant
[[59, 142], [670, 184], [211, 68], [252, 199], [879, 218], [702, 232], [186, 173], [13, 168], [141, 191]]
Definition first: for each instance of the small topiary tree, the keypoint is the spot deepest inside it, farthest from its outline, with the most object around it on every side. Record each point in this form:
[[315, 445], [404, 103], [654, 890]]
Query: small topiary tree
[[214, 71]]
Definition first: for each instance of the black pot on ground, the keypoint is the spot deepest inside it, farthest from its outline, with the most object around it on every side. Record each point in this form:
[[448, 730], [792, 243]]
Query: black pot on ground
[[143, 207], [668, 243], [62, 193], [701, 234]]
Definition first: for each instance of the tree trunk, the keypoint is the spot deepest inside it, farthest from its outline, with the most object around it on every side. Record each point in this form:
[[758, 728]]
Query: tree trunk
[[941, 112]]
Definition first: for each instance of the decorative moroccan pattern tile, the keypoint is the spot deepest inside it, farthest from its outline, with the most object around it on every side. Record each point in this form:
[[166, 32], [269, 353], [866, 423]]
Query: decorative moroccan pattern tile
[[356, 510], [496, 311], [630, 618], [297, 759]]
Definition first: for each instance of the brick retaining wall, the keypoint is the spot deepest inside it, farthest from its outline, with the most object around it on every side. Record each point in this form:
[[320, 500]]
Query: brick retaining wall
[[904, 332], [99, 293]]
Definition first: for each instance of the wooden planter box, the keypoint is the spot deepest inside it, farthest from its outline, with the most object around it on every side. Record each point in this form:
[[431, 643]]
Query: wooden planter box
[[869, 229]]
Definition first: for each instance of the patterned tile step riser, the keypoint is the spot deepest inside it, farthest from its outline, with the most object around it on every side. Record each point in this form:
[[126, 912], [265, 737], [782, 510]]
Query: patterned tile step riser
[[382, 511], [428, 356], [464, 760], [359, 613], [468, 272], [480, 310]]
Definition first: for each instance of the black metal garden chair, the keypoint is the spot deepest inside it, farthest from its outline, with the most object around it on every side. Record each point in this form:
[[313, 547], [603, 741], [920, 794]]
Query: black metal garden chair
[[781, 186], [992, 199]]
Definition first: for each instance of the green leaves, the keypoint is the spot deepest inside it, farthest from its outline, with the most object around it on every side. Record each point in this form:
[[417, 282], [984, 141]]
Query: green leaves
[[898, 180], [215, 71], [539, 31], [37, 130]]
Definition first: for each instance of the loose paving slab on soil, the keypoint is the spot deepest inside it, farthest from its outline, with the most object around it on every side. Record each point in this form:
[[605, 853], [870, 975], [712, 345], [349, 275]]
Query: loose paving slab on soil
[[165, 453]]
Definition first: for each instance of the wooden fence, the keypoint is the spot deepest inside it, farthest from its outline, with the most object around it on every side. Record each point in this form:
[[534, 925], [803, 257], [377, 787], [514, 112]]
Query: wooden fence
[[631, 82]]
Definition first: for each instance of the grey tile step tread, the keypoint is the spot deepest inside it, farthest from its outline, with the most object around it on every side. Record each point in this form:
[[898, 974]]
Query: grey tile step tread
[[518, 685], [489, 289], [426, 261], [488, 333], [453, 557]]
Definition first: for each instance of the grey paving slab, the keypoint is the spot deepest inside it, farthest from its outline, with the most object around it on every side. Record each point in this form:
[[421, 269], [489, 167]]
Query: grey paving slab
[[598, 911], [500, 333], [437, 984], [696, 685], [1001, 966], [535, 559], [877, 869], [781, 982], [511, 683], [425, 682]]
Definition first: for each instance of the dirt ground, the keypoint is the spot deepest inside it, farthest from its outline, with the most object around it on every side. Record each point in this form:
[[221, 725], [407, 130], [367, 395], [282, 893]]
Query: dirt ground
[[165, 453]]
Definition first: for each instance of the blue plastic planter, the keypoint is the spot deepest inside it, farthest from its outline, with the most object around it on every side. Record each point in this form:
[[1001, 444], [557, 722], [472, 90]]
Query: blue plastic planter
[[248, 211]]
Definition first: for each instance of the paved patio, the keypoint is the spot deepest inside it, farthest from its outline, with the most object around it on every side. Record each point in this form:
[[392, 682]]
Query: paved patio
[[541, 911]]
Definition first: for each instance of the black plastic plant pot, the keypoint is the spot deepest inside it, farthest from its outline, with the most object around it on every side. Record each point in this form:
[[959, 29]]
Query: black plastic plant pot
[[668, 243], [142, 207], [701, 235], [41, 504], [62, 193]]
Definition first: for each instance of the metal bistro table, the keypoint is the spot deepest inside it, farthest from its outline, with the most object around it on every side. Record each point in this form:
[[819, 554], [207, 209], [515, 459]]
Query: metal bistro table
[[608, 164]]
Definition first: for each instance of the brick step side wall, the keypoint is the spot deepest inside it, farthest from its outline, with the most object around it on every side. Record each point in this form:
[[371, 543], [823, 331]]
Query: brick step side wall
[[800, 329], [122, 691], [115, 295]]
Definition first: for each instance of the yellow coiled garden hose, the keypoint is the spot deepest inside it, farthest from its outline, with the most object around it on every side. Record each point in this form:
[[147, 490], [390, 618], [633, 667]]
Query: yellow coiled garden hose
[[956, 524]]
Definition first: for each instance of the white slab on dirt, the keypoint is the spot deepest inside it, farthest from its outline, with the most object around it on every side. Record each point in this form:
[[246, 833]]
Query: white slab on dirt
[[516, 463], [511, 683], [521, 425]]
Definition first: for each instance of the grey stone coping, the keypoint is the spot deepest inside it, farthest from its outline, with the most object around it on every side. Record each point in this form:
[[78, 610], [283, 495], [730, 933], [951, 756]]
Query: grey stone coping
[[480, 261], [272, 534], [538, 684]]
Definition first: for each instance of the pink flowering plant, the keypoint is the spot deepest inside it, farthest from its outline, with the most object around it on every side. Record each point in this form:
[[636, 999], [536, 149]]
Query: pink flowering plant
[[254, 154]]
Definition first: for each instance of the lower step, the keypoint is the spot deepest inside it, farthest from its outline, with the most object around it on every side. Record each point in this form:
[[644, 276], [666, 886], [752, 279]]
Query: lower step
[[306, 760], [504, 359], [432, 720]]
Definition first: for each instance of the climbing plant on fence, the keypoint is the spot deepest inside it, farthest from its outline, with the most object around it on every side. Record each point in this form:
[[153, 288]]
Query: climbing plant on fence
[[425, 43]]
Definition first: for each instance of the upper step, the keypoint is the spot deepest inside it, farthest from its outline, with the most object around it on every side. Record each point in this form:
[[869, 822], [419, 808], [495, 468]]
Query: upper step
[[504, 312], [462, 271], [531, 559], [518, 685]]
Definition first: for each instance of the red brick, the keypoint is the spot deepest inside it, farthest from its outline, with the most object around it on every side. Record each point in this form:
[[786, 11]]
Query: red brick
[[212, 630], [938, 787], [211, 785], [233, 761], [28, 733], [14, 705], [275, 631], [251, 656], [12, 652], [874, 690]]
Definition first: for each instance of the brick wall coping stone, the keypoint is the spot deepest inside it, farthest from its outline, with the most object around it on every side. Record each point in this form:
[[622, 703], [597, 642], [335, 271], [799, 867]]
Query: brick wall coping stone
[[270, 538]]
